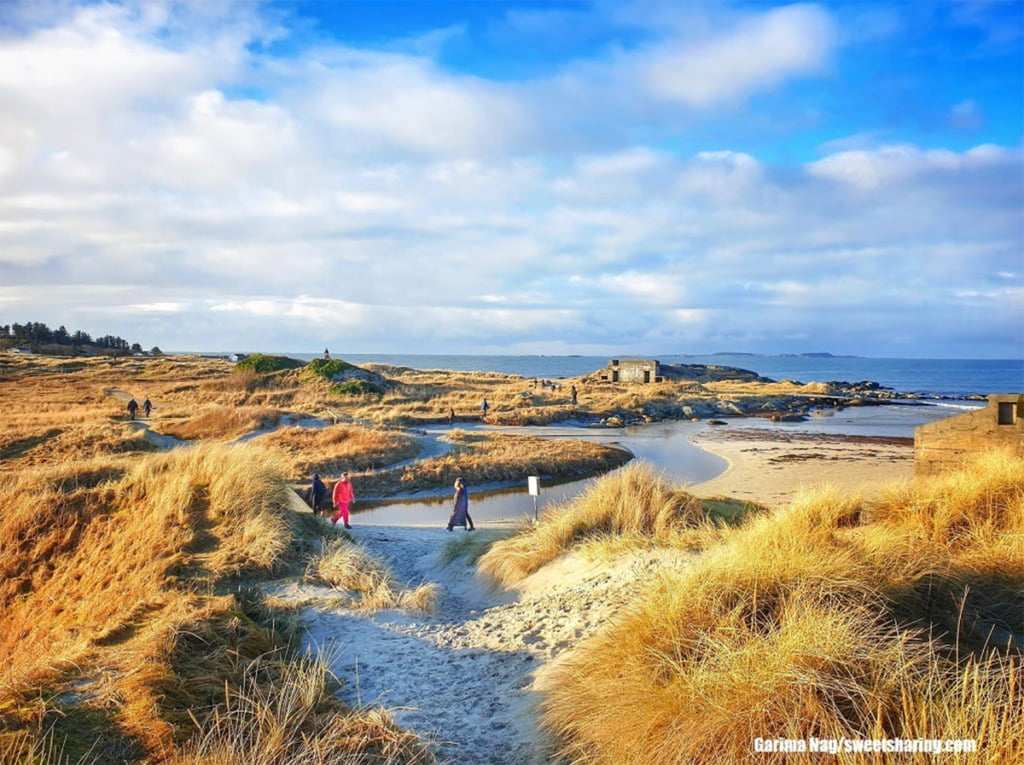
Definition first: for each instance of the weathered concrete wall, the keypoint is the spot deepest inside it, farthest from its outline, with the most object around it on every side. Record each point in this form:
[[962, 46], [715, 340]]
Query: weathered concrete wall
[[946, 444], [632, 371]]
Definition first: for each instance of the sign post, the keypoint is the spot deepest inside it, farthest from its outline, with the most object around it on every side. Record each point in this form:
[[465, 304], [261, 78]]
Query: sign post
[[533, 484]]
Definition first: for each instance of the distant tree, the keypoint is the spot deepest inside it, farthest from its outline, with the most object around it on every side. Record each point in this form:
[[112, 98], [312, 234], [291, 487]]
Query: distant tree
[[136, 348], [155, 351]]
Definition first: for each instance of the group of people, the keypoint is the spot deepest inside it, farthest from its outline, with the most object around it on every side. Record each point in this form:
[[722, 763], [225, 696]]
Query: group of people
[[343, 496], [133, 407]]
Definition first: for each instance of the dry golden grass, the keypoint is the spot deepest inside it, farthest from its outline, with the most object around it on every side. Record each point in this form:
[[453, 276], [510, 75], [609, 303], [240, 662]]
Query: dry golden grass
[[482, 458], [804, 623], [339, 449], [218, 423], [632, 507], [346, 566], [297, 721], [113, 640]]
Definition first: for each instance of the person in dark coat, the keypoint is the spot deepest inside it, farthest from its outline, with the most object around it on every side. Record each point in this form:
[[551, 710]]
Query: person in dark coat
[[460, 508], [317, 493], [133, 407], [147, 406]]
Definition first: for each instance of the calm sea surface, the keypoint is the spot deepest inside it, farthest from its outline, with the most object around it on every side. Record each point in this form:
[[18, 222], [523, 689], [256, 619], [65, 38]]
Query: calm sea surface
[[933, 377]]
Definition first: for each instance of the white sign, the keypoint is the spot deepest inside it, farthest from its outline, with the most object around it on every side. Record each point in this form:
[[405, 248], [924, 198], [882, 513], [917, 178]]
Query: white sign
[[533, 483]]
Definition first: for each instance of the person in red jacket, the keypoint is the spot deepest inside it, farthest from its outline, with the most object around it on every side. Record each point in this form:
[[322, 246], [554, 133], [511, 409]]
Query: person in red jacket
[[343, 497]]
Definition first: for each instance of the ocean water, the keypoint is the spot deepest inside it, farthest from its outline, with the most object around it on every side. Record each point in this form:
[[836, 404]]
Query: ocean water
[[952, 378]]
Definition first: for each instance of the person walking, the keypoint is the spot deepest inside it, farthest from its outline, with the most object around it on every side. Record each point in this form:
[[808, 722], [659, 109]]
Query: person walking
[[460, 508], [484, 407], [317, 493], [574, 396], [343, 497], [133, 407], [147, 406], [451, 417]]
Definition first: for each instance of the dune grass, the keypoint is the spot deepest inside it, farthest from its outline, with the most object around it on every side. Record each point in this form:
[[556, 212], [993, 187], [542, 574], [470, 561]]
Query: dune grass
[[805, 623], [348, 567], [296, 720], [121, 625], [634, 506], [338, 449], [488, 458]]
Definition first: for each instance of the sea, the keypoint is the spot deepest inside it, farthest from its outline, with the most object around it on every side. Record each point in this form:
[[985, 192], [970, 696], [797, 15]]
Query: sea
[[935, 378]]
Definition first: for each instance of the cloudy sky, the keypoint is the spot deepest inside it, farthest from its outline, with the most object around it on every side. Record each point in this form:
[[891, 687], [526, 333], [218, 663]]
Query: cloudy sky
[[517, 177]]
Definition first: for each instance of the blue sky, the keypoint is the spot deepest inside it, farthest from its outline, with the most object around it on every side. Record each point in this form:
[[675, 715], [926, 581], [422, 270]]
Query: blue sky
[[517, 177]]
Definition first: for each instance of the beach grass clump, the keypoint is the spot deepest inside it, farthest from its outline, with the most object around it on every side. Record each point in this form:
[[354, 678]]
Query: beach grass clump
[[492, 458], [296, 720], [633, 503], [472, 547], [370, 583], [219, 422], [805, 623], [120, 630], [337, 449]]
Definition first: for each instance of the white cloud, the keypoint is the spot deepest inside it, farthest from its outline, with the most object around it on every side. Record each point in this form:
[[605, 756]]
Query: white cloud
[[203, 193], [868, 169], [759, 53]]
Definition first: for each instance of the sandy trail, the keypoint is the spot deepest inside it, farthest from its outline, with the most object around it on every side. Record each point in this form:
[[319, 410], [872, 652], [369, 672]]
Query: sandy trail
[[468, 676]]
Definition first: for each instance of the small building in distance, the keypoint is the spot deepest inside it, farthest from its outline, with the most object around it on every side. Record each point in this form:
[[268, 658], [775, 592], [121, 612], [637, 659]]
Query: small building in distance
[[946, 444], [632, 371]]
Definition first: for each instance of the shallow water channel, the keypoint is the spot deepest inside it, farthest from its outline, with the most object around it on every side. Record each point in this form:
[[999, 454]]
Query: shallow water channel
[[666, 445]]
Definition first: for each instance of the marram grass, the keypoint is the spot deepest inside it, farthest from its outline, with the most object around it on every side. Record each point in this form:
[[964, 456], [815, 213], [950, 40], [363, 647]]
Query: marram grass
[[804, 623]]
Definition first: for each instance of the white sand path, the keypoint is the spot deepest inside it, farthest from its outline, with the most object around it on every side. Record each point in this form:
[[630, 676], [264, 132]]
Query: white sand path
[[468, 676]]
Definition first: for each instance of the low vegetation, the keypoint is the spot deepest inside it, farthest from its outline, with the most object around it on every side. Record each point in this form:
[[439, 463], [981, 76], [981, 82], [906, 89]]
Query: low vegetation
[[805, 622], [348, 567], [126, 632], [264, 363], [633, 507], [489, 458], [331, 451]]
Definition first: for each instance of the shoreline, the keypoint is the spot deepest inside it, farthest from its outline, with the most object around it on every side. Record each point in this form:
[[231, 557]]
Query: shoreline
[[772, 468]]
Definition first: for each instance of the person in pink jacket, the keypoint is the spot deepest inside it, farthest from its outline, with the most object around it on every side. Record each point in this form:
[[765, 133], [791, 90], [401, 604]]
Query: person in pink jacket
[[343, 496]]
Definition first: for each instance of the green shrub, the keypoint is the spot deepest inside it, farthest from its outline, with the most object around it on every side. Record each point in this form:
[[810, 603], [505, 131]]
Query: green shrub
[[263, 363], [355, 388], [328, 368]]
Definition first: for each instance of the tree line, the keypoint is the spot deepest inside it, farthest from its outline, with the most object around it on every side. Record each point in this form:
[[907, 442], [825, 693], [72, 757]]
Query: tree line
[[38, 337]]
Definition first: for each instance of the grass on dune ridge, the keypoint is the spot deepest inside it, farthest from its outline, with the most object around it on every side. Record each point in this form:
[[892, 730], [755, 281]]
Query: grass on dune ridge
[[635, 506], [808, 622], [125, 634]]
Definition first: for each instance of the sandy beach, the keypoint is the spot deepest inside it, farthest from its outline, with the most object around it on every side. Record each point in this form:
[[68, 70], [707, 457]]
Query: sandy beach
[[771, 467]]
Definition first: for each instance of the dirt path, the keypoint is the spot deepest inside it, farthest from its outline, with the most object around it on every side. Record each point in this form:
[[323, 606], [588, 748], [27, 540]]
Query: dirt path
[[469, 675]]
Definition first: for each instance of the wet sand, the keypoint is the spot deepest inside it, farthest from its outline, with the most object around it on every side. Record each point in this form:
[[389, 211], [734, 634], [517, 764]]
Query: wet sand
[[772, 467]]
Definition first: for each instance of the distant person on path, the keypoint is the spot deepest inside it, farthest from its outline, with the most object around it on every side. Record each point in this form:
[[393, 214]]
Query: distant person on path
[[327, 355], [451, 417], [343, 497], [133, 407], [484, 407], [317, 493], [147, 406], [574, 396], [460, 508]]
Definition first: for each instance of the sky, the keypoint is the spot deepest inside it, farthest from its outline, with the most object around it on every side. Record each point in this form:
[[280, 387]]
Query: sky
[[604, 177]]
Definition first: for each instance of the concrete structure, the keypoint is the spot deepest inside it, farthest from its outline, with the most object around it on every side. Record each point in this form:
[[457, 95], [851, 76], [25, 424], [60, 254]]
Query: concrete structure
[[632, 371], [946, 444]]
